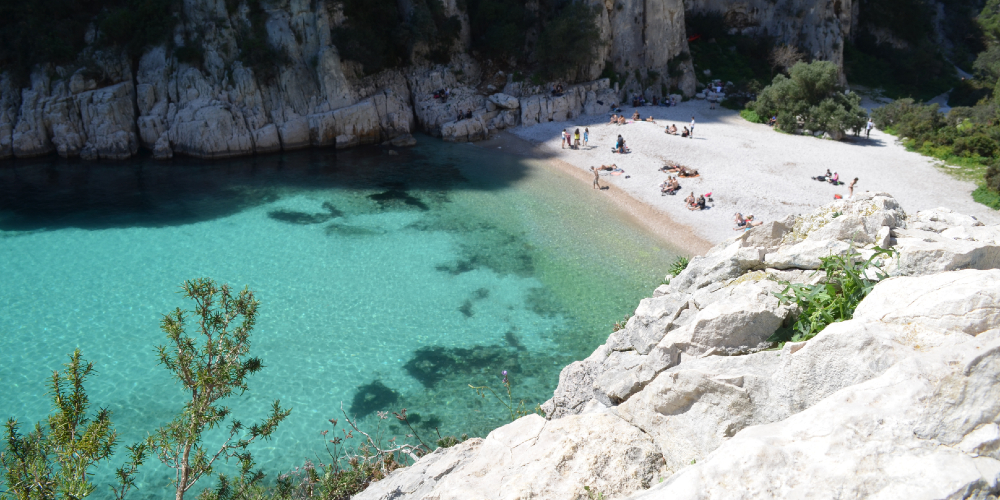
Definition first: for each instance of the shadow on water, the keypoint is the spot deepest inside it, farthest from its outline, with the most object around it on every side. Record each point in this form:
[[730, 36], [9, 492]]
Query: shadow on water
[[54, 193]]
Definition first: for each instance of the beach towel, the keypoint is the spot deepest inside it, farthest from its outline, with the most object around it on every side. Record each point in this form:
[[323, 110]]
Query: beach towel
[[617, 172]]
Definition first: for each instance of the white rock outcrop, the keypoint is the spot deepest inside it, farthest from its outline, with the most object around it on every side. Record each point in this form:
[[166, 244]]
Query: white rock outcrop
[[901, 401]]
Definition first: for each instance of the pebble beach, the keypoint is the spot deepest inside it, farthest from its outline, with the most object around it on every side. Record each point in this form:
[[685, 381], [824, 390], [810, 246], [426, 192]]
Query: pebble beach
[[747, 168]]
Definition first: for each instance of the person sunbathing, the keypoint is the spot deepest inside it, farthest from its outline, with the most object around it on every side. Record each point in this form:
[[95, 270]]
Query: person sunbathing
[[608, 167], [673, 129], [741, 223], [621, 120], [686, 172], [691, 200], [635, 116], [614, 119], [751, 222], [650, 120]]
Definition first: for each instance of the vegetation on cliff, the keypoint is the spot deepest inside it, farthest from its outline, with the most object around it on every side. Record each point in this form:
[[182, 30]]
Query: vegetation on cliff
[[56, 31], [896, 47], [968, 135]]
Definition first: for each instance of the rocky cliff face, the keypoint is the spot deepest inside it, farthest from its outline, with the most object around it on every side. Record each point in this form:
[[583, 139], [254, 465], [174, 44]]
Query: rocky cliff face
[[220, 108], [819, 28], [684, 402]]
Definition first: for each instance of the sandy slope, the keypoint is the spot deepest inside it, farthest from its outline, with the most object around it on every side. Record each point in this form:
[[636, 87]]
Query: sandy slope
[[750, 168]]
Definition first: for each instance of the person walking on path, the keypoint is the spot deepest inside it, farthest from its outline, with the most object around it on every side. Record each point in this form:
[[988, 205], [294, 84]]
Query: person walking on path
[[565, 138], [691, 132], [586, 136], [868, 128], [597, 178]]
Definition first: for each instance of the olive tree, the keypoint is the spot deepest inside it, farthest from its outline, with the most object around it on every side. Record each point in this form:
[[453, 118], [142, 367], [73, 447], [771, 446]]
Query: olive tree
[[812, 95], [211, 368]]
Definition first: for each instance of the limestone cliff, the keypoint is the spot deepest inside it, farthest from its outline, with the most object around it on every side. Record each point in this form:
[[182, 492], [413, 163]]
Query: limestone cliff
[[686, 402], [215, 106]]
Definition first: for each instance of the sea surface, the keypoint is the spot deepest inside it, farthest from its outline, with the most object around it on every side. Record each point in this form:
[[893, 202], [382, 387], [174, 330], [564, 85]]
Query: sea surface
[[385, 282]]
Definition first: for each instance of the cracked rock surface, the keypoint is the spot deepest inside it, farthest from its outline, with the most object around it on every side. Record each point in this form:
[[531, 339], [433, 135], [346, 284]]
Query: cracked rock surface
[[686, 401]]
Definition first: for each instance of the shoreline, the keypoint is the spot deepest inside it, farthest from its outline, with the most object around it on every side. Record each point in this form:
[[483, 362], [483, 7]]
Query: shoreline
[[657, 222], [748, 168]]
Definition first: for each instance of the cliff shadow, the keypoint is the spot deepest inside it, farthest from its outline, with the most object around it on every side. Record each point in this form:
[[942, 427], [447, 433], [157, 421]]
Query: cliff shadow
[[53, 193]]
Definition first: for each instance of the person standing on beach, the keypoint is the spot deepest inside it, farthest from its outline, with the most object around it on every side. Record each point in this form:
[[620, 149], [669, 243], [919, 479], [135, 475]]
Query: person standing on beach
[[586, 136], [565, 138], [868, 128], [691, 132], [576, 139], [597, 178], [850, 188]]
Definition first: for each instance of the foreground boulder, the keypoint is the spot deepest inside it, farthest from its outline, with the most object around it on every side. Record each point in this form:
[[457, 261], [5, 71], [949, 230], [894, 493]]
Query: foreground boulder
[[902, 401]]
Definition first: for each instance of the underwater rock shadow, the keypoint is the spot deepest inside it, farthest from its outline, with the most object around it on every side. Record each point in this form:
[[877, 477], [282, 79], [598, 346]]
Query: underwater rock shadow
[[431, 364], [371, 397], [304, 218]]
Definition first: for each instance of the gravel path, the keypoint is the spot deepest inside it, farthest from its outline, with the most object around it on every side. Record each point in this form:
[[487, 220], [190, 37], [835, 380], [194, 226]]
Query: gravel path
[[750, 168]]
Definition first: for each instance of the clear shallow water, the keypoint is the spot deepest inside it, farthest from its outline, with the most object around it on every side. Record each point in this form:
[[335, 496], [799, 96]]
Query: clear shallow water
[[385, 282]]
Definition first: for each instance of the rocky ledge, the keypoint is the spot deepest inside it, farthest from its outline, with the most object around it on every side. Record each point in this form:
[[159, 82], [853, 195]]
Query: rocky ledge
[[688, 401]]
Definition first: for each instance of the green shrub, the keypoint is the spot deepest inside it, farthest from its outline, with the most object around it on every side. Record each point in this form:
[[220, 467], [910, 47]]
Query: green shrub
[[190, 54], [568, 41], [847, 282], [256, 51], [752, 116], [731, 58], [136, 25], [679, 265], [987, 197], [377, 35], [811, 93], [497, 27]]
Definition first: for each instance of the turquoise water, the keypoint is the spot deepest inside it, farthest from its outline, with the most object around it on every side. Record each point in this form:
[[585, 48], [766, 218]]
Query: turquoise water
[[384, 281]]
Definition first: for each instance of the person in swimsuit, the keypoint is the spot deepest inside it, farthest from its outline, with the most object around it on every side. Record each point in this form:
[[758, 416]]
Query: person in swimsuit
[[597, 178], [850, 188]]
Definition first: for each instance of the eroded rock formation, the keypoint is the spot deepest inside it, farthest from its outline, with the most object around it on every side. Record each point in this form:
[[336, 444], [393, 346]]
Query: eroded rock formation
[[899, 402], [217, 107]]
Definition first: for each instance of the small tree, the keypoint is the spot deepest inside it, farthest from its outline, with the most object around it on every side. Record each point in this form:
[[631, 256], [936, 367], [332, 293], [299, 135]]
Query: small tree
[[811, 93], [210, 373], [53, 461], [784, 56]]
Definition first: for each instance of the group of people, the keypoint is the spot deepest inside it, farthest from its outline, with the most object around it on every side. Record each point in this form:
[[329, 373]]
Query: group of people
[[464, 116], [620, 146], [672, 129], [834, 178], [442, 94], [640, 100], [573, 140], [670, 186], [618, 120], [693, 203], [680, 170]]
